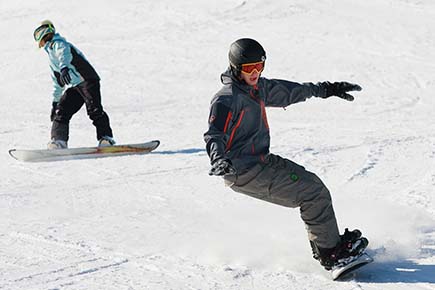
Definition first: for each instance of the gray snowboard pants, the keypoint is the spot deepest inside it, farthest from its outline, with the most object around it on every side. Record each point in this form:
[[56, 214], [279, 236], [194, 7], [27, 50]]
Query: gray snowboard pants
[[286, 183]]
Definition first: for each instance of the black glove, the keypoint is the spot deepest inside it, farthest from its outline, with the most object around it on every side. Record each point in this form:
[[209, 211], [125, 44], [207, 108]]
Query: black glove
[[64, 75], [340, 90], [222, 167], [53, 111]]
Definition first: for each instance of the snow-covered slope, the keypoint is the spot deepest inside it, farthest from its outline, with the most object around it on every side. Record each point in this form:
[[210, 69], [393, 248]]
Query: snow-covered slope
[[159, 221]]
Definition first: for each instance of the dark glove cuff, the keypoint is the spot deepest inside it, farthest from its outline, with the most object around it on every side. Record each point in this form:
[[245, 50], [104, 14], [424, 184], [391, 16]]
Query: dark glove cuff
[[327, 89], [221, 159]]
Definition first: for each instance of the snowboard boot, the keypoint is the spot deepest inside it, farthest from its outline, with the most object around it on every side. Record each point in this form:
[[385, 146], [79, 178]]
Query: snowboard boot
[[106, 141], [57, 144], [351, 245]]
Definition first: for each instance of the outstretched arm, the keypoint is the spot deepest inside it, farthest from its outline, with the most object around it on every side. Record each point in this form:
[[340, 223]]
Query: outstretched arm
[[281, 93]]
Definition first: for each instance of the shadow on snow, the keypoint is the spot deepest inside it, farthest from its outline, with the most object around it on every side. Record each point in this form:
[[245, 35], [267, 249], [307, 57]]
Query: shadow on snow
[[181, 151], [396, 272]]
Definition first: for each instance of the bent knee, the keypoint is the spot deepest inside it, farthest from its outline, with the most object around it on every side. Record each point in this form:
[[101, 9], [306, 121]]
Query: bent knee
[[96, 114]]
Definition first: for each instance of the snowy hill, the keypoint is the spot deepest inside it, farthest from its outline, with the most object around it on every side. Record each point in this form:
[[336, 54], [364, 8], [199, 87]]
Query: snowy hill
[[159, 221]]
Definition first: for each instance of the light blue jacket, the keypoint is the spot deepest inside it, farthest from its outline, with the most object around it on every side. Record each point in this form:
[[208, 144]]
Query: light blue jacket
[[62, 54]]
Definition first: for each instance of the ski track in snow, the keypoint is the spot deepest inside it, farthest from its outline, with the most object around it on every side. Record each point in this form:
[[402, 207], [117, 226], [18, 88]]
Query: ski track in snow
[[49, 253], [377, 151]]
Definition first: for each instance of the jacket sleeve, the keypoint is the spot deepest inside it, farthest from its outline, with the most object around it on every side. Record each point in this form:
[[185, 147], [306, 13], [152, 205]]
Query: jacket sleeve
[[281, 93], [57, 90], [219, 121], [62, 51]]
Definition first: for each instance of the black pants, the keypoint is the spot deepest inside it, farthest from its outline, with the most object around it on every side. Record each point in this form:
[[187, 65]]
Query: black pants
[[72, 100]]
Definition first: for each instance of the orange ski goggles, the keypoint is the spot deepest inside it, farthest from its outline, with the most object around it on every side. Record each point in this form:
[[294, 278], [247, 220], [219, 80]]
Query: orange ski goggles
[[248, 68]]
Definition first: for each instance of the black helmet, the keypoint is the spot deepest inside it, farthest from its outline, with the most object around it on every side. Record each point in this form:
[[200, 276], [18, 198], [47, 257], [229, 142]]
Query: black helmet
[[245, 50]]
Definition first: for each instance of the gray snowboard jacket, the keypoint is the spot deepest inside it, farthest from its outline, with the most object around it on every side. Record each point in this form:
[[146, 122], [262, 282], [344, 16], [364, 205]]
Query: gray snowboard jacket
[[238, 128]]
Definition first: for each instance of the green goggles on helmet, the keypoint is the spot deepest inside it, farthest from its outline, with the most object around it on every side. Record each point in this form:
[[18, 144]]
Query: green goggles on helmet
[[42, 31]]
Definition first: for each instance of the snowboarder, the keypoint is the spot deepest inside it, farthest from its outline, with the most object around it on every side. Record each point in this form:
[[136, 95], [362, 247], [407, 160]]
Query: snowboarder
[[238, 141], [75, 83]]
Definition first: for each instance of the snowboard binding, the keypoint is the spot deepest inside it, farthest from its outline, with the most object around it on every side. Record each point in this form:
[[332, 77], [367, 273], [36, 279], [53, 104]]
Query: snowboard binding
[[350, 247]]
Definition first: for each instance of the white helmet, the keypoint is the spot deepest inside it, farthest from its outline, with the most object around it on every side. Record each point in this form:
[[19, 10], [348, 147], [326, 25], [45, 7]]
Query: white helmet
[[45, 27]]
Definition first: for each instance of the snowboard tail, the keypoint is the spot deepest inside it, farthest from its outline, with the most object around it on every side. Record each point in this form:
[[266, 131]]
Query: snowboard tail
[[45, 155], [340, 272]]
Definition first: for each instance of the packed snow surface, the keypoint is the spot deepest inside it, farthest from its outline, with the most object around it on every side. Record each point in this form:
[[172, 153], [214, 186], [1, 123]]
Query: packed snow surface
[[158, 221]]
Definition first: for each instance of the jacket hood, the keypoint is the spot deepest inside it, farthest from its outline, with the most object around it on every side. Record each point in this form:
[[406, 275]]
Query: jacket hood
[[227, 77]]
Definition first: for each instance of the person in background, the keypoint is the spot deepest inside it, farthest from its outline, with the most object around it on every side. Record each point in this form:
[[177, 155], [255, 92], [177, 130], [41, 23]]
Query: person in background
[[75, 83], [238, 141]]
